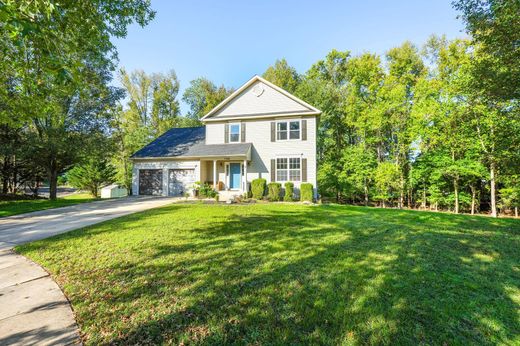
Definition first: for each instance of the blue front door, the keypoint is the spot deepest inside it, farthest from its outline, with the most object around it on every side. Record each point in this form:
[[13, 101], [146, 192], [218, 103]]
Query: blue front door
[[234, 175]]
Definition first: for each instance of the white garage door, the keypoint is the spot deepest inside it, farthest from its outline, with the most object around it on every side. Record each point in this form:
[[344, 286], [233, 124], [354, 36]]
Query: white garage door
[[179, 180]]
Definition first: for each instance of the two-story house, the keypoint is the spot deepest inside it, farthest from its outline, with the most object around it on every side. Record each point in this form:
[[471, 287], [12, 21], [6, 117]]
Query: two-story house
[[259, 131]]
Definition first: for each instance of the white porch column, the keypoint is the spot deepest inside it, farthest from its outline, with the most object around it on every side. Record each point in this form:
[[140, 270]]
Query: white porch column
[[245, 176], [215, 174]]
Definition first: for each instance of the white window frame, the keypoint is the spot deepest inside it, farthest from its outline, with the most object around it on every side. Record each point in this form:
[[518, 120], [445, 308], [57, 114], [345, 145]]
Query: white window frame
[[239, 132], [288, 169], [288, 122]]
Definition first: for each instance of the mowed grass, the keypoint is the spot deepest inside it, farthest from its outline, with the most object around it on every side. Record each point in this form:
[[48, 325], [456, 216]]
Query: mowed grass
[[8, 208], [277, 274]]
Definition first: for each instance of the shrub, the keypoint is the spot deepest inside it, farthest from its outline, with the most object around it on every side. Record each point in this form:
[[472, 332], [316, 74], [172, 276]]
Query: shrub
[[258, 188], [206, 190], [306, 192], [289, 191], [274, 190]]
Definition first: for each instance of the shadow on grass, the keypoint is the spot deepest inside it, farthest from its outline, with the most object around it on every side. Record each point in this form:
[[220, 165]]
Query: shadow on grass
[[303, 275]]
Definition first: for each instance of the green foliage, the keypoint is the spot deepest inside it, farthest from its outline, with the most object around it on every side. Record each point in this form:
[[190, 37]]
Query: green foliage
[[306, 192], [283, 75], [289, 192], [202, 96], [273, 191], [206, 190], [91, 176], [495, 28], [258, 188], [387, 180]]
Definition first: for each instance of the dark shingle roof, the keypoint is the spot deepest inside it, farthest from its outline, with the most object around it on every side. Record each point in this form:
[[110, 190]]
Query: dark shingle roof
[[174, 142], [189, 142]]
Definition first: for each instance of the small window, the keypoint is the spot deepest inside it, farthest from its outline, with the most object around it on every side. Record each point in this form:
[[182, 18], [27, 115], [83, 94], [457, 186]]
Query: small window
[[287, 130], [234, 133], [288, 169], [294, 130], [281, 133]]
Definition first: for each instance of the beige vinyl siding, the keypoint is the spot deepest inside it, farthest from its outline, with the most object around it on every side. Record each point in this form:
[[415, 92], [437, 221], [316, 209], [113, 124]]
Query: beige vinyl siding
[[258, 132], [215, 133], [270, 101]]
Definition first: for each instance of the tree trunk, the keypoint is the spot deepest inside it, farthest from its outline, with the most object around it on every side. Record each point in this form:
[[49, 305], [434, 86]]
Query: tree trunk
[[493, 192], [456, 191], [401, 195], [384, 205], [473, 199], [366, 193], [423, 204], [516, 211], [52, 174]]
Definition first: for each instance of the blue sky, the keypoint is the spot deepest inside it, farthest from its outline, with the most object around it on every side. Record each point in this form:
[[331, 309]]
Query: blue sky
[[230, 41]]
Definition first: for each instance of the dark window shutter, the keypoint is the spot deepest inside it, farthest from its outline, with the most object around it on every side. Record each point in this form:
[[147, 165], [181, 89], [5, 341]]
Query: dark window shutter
[[273, 131], [226, 134], [304, 170], [273, 170], [304, 130], [242, 132]]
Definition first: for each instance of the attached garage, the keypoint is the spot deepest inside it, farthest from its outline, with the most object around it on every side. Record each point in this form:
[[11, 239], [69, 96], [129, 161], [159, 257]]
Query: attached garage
[[179, 181], [150, 182]]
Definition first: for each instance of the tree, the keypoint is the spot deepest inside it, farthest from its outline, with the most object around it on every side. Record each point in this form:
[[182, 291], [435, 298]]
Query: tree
[[57, 59], [387, 181], [152, 100], [283, 75], [495, 29], [48, 44], [324, 85], [91, 175], [202, 96], [406, 68]]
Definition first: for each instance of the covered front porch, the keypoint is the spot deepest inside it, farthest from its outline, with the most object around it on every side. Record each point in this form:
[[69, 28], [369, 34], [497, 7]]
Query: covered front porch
[[226, 174]]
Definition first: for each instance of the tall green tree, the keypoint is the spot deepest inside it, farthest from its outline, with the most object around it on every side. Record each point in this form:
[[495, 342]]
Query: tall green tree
[[283, 75], [152, 100], [202, 96], [325, 86], [494, 26]]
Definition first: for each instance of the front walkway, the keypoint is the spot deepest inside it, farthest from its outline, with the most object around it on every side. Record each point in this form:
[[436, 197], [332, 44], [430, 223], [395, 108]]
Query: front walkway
[[33, 309]]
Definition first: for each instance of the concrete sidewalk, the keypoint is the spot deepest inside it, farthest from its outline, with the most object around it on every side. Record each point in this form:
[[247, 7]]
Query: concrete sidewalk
[[33, 309]]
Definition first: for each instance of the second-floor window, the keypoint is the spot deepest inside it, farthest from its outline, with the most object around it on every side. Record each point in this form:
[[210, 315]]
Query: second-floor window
[[234, 133], [288, 130]]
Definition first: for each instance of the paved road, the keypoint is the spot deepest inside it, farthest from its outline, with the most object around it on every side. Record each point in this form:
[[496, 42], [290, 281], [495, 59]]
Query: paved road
[[33, 310]]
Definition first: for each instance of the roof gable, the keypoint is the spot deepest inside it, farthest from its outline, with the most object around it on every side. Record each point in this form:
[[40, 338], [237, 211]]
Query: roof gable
[[256, 98]]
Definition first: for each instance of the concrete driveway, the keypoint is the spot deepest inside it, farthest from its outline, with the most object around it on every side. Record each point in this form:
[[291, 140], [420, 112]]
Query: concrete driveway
[[24, 228], [33, 309]]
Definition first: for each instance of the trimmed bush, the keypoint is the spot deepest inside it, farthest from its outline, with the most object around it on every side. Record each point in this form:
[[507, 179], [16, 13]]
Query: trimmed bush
[[273, 191], [289, 191], [306, 192], [258, 188]]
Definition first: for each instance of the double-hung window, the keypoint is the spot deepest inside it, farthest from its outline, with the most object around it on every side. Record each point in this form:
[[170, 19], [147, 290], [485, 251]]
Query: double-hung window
[[288, 169], [288, 130], [234, 133]]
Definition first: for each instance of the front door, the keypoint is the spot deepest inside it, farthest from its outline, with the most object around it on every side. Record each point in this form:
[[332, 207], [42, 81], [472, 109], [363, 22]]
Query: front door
[[234, 176]]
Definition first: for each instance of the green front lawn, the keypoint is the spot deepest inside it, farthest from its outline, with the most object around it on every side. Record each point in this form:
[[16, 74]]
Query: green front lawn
[[290, 274], [8, 208]]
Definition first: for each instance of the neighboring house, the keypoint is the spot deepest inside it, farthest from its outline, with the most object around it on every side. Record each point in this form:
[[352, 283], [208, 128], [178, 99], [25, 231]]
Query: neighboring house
[[259, 131]]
